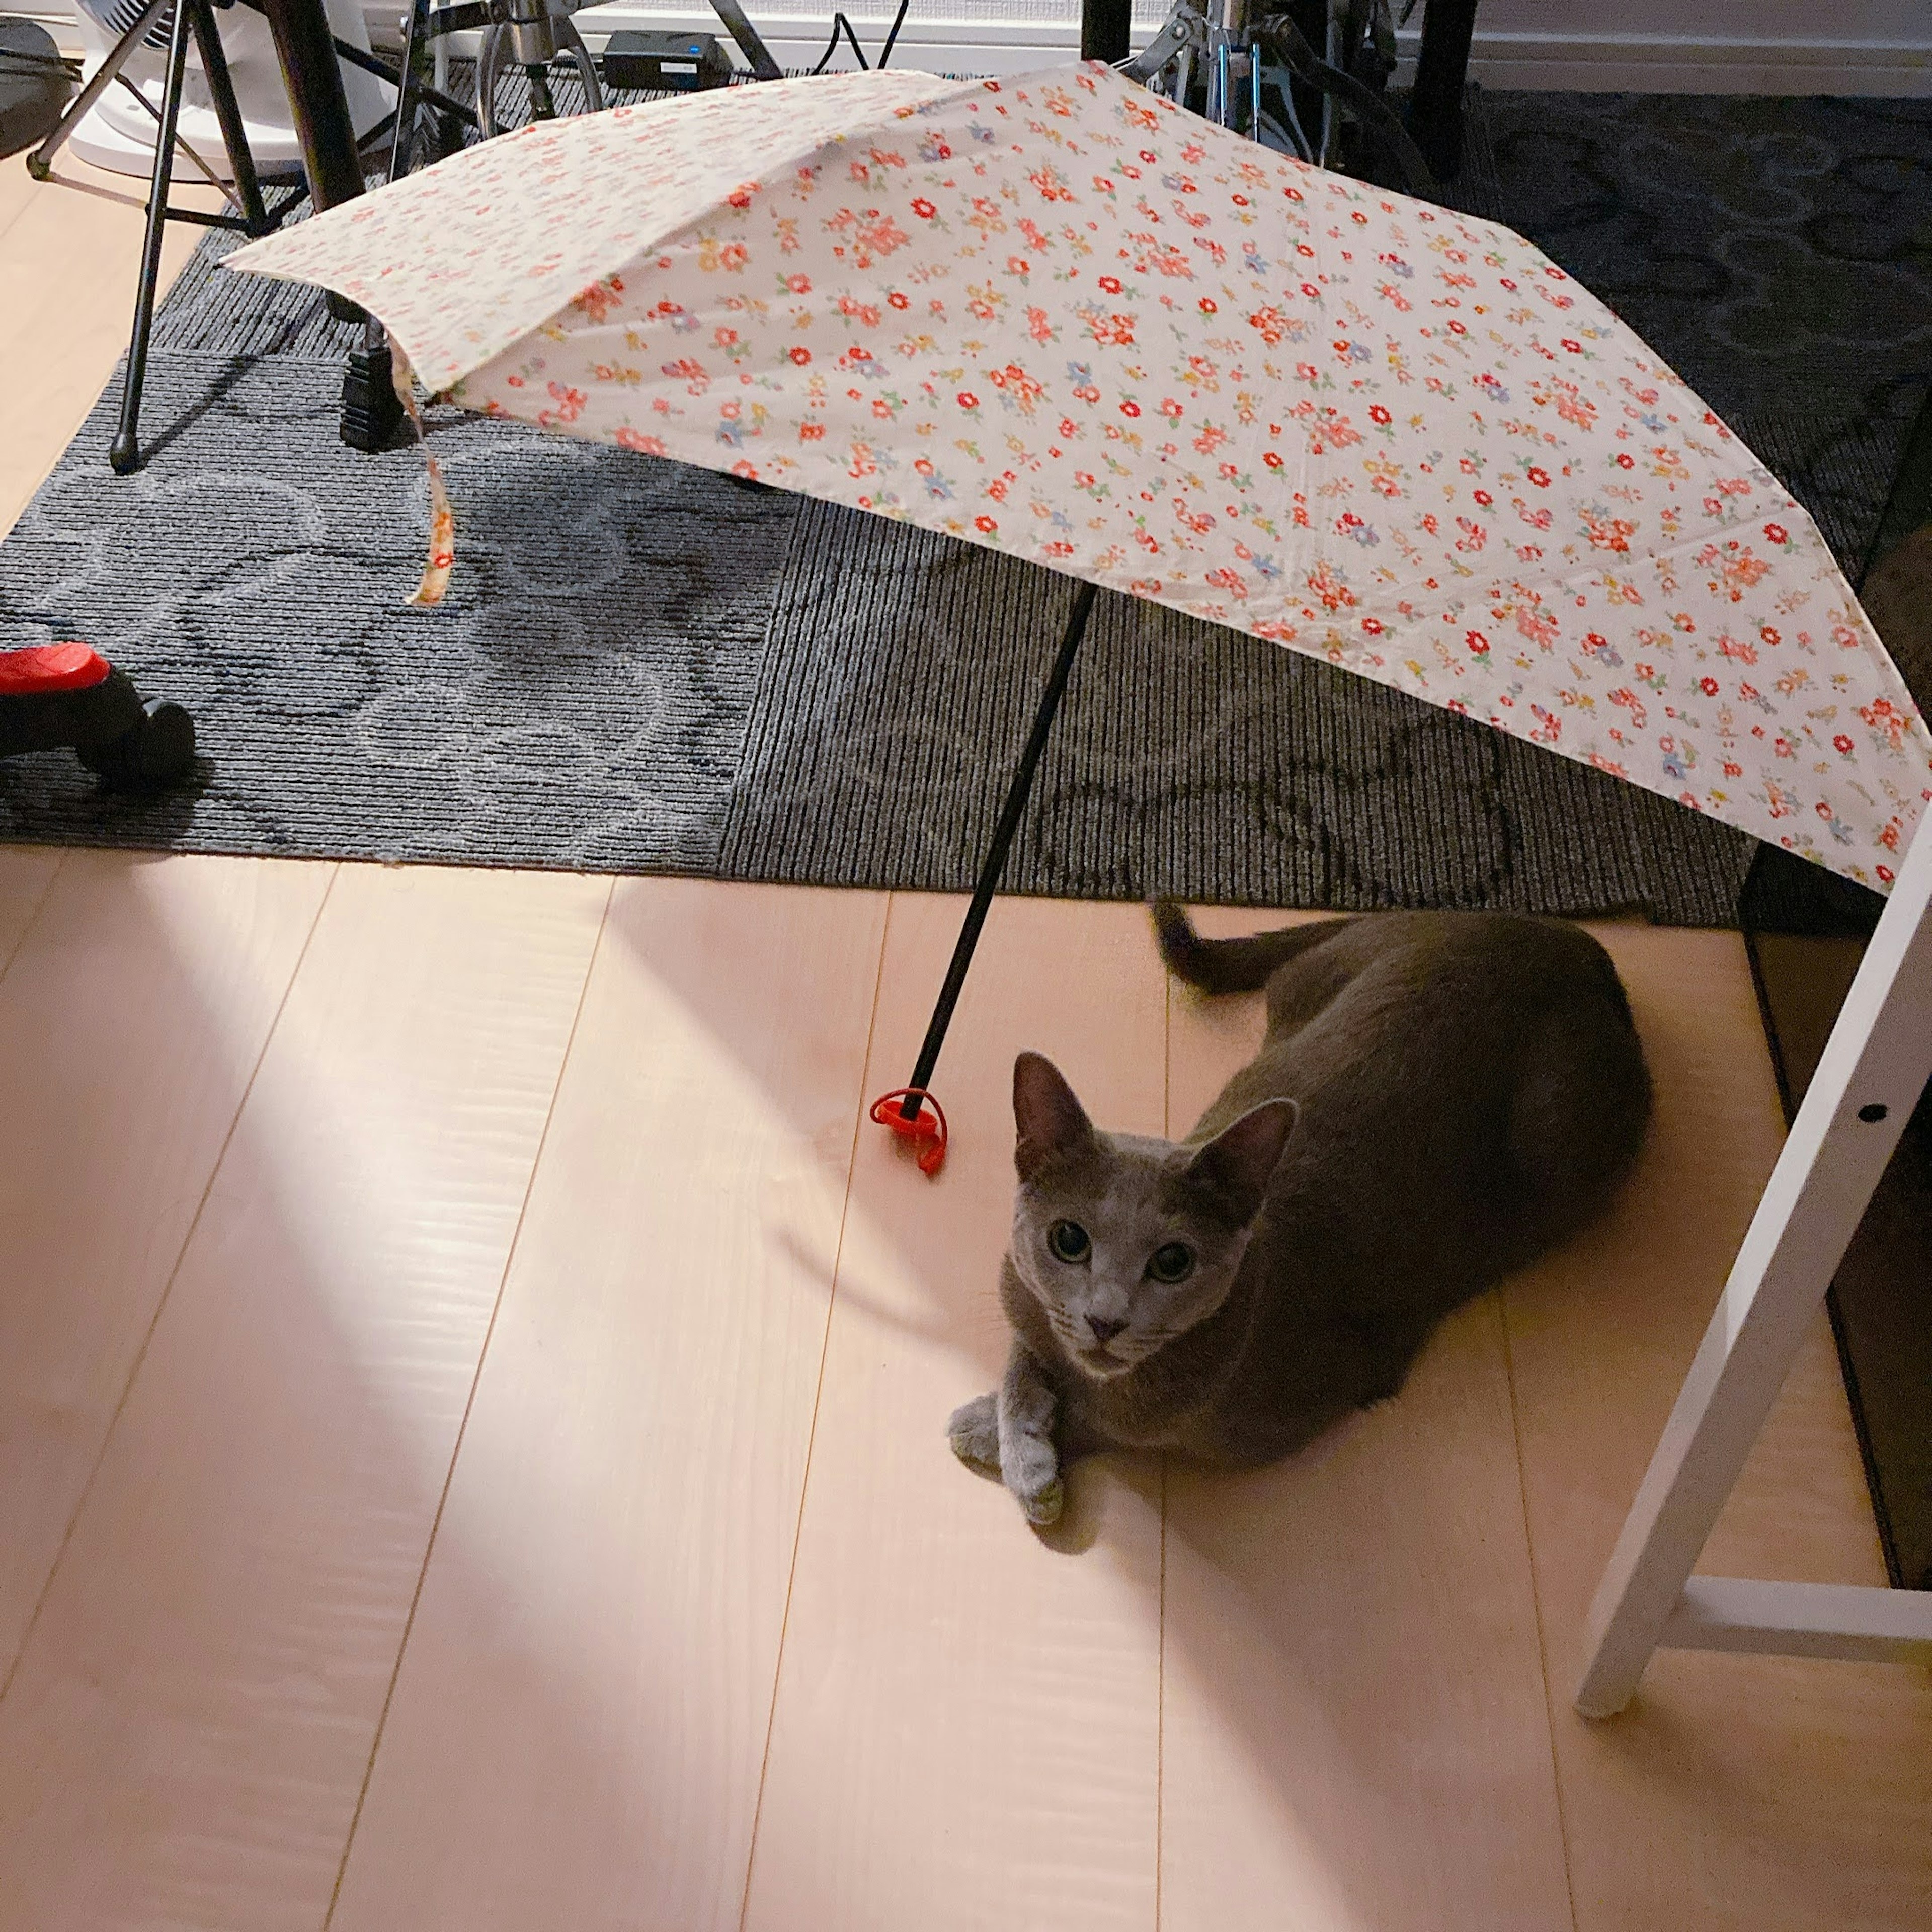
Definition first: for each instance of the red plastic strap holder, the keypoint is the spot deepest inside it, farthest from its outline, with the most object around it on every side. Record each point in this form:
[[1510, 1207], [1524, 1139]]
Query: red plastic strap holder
[[68, 667], [925, 1132]]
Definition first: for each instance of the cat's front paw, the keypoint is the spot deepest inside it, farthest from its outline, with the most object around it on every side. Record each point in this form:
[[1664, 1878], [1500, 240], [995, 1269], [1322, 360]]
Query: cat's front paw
[[973, 1430], [1043, 1507], [1034, 1480]]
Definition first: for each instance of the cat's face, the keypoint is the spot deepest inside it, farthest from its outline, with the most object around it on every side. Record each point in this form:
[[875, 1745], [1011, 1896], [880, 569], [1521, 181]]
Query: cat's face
[[1126, 1242]]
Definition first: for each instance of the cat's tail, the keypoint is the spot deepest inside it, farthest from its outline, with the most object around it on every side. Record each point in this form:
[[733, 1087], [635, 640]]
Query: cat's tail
[[1232, 965]]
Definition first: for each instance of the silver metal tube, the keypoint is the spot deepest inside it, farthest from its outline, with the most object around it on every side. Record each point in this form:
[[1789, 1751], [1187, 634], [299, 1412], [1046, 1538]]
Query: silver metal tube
[[1328, 99], [572, 43]]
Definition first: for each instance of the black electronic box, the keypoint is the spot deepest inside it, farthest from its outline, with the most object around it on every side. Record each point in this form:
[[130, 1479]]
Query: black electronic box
[[680, 62]]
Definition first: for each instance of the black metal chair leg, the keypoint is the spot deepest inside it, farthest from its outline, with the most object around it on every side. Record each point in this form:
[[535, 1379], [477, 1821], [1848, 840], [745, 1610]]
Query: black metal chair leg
[[408, 93], [371, 414], [1105, 26], [228, 113], [125, 453], [1441, 73]]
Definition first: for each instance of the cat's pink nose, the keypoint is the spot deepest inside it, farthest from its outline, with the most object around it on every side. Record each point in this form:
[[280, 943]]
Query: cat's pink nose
[[1104, 1330]]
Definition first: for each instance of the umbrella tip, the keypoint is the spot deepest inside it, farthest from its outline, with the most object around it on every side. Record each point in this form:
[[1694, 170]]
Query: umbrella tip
[[917, 1118]]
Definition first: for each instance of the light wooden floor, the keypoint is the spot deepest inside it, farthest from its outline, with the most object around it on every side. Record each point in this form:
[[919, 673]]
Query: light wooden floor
[[471, 1453]]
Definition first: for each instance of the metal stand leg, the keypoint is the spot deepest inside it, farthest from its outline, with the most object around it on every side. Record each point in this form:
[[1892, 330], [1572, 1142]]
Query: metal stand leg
[[371, 414], [1874, 1069], [193, 17], [1442, 71], [1010, 815], [306, 50], [571, 42], [40, 163], [125, 452], [228, 114], [1105, 28], [408, 93], [739, 26]]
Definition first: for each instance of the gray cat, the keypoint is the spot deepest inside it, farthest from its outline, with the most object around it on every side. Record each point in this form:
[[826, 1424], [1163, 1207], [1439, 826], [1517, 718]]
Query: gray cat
[[1440, 1097]]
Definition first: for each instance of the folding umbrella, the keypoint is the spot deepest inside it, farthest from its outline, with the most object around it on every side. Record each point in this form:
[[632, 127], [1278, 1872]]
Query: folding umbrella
[[1060, 317]]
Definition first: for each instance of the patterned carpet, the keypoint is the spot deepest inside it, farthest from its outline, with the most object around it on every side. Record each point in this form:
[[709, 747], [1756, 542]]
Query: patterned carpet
[[1780, 251], [643, 667]]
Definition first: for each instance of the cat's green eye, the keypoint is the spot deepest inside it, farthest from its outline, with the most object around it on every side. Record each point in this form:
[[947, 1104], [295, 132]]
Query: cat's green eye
[[1174, 1261], [1068, 1239]]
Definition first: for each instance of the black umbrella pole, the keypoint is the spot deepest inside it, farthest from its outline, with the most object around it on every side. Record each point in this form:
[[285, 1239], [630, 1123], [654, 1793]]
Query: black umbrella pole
[[1010, 815]]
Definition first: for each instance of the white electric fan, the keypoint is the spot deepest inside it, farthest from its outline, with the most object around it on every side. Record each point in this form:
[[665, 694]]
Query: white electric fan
[[119, 133]]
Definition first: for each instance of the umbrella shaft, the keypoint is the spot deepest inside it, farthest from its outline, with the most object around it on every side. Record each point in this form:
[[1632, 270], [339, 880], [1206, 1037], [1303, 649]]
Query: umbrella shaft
[[1010, 815]]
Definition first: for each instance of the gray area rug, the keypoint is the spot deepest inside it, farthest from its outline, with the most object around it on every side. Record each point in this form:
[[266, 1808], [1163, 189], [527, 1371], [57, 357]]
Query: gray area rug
[[579, 701], [644, 668]]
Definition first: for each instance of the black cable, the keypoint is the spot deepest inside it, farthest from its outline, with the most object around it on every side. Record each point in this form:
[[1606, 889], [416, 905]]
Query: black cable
[[1279, 33], [1292, 140], [840, 24]]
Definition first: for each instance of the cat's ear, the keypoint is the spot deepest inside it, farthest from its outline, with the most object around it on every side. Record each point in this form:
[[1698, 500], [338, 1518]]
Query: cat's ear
[[1238, 1164], [1051, 1122]]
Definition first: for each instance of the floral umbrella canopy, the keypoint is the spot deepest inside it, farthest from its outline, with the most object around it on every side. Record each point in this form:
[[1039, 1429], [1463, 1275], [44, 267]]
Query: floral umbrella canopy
[[1060, 317]]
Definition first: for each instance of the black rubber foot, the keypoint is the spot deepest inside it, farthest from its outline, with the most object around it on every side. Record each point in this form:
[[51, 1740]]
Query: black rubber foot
[[158, 751], [124, 453], [372, 415], [341, 309]]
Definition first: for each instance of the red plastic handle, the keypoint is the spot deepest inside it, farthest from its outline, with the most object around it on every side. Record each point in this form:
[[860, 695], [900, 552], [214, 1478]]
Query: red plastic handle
[[926, 1132], [68, 667]]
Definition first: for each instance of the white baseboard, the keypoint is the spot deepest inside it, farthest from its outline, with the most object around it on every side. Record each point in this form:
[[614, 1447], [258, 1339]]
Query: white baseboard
[[1598, 64], [1602, 64], [1672, 63], [797, 37]]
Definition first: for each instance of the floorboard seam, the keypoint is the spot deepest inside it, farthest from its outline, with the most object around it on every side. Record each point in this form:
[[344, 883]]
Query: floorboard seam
[[33, 917], [470, 1401], [817, 1390], [1549, 1719], [1160, 1710], [167, 1290]]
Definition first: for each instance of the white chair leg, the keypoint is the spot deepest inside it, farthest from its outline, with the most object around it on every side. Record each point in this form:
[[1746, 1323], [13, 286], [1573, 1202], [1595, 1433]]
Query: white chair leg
[[1874, 1068]]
